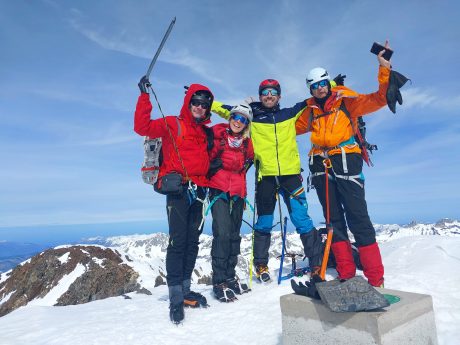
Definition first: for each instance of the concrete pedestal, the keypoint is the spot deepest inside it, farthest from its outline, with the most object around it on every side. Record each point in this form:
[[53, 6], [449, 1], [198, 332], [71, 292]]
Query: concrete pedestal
[[409, 321]]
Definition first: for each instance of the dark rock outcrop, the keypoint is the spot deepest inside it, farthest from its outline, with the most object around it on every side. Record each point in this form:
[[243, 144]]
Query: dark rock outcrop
[[103, 274]]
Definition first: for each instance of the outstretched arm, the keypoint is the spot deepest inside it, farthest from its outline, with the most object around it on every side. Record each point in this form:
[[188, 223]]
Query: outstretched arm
[[303, 122], [223, 110]]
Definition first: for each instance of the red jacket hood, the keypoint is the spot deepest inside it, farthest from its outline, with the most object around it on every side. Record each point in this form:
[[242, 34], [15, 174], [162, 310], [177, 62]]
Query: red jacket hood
[[185, 112]]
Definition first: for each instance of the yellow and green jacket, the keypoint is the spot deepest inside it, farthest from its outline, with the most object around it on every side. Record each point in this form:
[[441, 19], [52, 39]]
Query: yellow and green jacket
[[273, 134]]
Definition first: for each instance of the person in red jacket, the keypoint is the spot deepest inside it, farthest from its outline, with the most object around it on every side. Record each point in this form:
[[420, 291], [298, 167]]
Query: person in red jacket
[[182, 177], [231, 156]]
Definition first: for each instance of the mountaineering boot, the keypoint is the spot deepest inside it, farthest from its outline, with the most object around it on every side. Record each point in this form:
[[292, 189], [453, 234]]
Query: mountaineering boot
[[345, 263], [237, 287], [176, 312], [261, 247], [192, 299], [223, 293], [195, 300], [262, 274], [372, 264], [186, 286], [312, 243]]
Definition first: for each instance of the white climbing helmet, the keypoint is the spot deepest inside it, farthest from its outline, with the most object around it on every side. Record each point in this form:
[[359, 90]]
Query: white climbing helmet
[[317, 74], [243, 109]]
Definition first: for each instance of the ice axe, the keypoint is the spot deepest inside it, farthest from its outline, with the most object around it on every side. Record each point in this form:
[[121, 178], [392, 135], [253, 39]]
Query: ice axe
[[165, 37], [322, 273]]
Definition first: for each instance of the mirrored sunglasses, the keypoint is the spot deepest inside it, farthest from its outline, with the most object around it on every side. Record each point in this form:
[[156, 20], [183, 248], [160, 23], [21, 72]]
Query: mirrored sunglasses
[[196, 103], [240, 118], [265, 92], [321, 83]]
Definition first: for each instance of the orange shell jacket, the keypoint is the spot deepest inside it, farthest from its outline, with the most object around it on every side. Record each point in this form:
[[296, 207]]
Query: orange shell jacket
[[328, 131]]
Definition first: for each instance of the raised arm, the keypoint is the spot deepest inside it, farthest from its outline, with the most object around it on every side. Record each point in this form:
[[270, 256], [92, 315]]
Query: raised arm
[[366, 104], [143, 125]]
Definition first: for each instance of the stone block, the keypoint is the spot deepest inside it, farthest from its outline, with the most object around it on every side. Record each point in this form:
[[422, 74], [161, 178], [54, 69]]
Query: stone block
[[409, 321]]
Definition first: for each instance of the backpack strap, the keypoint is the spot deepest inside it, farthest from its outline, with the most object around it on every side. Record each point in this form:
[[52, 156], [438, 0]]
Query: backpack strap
[[209, 137], [359, 133], [310, 120], [180, 131]]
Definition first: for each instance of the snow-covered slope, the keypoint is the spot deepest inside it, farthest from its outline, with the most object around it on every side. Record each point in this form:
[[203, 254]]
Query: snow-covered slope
[[422, 264], [444, 227]]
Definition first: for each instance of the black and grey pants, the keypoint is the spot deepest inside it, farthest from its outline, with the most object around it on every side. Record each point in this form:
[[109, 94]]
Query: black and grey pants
[[184, 218], [227, 216]]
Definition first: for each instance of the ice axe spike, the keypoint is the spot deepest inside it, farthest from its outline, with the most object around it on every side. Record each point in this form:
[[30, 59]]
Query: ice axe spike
[[165, 37]]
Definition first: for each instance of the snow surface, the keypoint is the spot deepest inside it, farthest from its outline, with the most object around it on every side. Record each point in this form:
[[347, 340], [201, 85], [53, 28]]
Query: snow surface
[[5, 275], [7, 297], [64, 258], [99, 262], [421, 264]]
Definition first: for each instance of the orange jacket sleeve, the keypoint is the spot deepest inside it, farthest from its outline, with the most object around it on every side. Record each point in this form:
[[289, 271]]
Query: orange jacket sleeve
[[301, 124], [366, 104]]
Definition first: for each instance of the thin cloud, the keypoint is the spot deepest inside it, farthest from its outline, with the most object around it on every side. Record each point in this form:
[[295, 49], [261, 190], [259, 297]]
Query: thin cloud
[[417, 97], [120, 43]]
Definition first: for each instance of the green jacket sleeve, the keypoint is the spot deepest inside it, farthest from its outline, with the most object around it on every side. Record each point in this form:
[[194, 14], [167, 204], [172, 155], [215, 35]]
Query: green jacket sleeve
[[221, 109]]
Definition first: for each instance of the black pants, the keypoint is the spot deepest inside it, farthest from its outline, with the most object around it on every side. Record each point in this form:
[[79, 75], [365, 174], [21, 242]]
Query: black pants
[[184, 218], [346, 199], [227, 216]]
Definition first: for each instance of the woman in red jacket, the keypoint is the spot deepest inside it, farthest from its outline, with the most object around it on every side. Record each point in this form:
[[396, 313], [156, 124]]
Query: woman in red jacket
[[230, 157], [185, 162]]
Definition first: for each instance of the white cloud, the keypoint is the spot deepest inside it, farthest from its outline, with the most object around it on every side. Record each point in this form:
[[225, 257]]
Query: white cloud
[[121, 42]]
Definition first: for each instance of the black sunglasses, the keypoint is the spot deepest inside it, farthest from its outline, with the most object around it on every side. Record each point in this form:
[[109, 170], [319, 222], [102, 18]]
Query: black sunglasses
[[196, 103]]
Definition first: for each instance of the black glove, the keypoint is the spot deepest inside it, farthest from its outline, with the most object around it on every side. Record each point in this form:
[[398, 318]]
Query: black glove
[[397, 81], [340, 79], [248, 164], [309, 289], [214, 167], [144, 84]]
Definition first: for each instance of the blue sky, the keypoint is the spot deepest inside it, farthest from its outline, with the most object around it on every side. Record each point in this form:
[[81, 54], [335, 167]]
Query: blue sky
[[68, 88]]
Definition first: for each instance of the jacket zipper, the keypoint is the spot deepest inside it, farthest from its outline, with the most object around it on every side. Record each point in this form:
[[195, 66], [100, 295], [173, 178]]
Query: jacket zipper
[[276, 146]]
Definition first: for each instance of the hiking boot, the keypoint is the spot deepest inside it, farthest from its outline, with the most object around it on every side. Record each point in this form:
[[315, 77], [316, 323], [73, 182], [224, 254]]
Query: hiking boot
[[237, 287], [176, 312], [223, 293], [262, 273], [195, 300]]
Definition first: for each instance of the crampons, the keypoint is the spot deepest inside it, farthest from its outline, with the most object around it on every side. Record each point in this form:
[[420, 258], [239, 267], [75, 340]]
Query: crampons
[[195, 300], [262, 274], [223, 293], [176, 313], [237, 287]]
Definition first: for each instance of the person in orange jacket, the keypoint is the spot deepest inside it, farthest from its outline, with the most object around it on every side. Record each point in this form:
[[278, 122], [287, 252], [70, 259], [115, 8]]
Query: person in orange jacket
[[331, 116]]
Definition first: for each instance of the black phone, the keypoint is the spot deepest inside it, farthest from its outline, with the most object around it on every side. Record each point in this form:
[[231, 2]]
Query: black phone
[[377, 48]]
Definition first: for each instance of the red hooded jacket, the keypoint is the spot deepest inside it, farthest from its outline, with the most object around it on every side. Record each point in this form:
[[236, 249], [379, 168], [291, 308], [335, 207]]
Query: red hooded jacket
[[190, 137], [232, 177]]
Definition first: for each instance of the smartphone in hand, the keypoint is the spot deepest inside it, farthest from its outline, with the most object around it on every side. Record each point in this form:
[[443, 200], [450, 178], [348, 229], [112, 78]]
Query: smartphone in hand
[[377, 48]]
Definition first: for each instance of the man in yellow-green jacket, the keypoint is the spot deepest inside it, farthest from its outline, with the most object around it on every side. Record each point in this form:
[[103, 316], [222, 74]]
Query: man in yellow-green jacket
[[277, 159]]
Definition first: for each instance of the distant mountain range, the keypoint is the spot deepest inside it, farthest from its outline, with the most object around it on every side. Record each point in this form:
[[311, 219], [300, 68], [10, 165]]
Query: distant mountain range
[[13, 253], [137, 263]]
